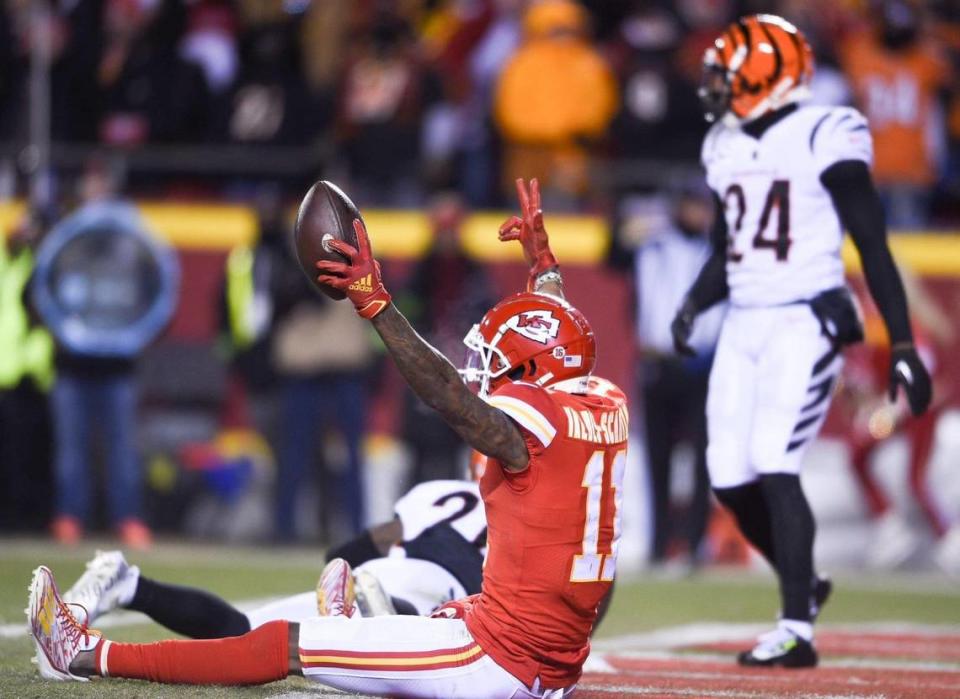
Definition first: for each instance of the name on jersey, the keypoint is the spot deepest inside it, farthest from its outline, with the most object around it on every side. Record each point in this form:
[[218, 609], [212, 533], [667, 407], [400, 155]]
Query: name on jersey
[[611, 427]]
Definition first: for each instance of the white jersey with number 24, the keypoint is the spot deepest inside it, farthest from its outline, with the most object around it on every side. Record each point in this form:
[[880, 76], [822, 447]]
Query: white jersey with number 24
[[784, 236]]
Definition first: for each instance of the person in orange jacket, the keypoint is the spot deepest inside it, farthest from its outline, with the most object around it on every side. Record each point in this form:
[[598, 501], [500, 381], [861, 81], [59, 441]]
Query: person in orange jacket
[[554, 96], [899, 73]]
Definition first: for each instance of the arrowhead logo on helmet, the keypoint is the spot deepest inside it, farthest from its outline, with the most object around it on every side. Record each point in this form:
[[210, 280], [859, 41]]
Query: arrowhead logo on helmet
[[539, 326]]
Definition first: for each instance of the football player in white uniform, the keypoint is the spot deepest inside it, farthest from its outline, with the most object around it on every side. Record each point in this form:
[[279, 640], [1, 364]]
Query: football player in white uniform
[[429, 554], [788, 179]]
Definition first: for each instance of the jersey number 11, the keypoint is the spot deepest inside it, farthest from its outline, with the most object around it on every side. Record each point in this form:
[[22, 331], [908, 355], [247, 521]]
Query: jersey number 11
[[592, 564]]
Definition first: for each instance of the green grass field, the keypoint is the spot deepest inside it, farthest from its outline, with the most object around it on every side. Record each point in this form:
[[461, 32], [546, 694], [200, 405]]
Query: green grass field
[[640, 604]]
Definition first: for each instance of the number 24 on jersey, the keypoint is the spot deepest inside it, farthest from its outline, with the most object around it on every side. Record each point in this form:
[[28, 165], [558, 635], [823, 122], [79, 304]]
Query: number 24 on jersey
[[777, 200]]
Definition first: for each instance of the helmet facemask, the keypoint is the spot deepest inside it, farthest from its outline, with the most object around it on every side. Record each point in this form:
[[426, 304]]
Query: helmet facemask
[[714, 91], [758, 65], [529, 337], [484, 362]]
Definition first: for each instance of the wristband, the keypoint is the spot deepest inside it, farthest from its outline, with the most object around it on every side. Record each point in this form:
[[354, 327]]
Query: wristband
[[373, 306], [544, 278]]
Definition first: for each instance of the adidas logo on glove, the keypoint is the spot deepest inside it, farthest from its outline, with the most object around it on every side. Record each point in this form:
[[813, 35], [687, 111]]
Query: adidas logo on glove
[[364, 285]]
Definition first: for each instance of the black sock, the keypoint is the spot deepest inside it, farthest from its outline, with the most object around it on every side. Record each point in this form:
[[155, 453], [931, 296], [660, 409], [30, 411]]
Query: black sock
[[793, 531], [188, 611], [748, 503], [402, 606], [356, 551]]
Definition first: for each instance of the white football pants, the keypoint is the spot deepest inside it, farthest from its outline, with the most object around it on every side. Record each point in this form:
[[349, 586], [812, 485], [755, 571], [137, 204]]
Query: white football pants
[[770, 388], [407, 656]]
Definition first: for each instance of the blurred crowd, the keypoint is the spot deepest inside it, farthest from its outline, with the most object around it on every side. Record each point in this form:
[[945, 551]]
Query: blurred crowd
[[400, 98], [433, 104], [265, 428]]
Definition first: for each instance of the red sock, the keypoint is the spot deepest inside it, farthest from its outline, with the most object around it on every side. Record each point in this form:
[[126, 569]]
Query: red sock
[[257, 657]]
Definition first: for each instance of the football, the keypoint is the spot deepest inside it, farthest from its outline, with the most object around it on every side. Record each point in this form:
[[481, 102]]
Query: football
[[326, 213]]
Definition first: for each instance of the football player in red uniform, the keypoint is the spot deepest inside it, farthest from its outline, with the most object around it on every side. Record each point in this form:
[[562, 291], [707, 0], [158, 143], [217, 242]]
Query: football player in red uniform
[[552, 489]]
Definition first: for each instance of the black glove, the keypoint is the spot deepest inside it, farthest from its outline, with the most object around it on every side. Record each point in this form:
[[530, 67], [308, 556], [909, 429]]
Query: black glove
[[908, 371], [682, 327]]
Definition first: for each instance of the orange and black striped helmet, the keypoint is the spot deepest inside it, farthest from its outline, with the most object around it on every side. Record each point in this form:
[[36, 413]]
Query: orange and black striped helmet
[[758, 64]]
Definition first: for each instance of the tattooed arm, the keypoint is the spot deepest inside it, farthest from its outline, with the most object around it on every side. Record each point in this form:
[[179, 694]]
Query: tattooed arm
[[429, 373], [435, 380]]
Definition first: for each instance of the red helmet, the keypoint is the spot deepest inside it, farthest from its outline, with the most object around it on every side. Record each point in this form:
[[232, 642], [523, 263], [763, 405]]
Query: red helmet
[[531, 337]]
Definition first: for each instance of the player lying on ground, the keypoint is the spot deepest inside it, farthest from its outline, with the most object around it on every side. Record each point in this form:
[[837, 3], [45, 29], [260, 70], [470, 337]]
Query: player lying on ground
[[787, 179], [430, 554], [551, 490]]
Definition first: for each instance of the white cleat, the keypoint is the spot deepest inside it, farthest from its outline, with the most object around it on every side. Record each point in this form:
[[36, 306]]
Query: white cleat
[[57, 635], [109, 582], [779, 648], [335, 595], [371, 599]]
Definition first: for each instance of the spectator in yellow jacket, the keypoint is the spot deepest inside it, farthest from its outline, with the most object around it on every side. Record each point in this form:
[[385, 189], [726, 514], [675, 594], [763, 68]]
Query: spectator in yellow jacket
[[555, 95]]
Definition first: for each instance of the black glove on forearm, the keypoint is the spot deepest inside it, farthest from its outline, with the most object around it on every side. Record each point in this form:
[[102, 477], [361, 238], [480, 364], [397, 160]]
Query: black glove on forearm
[[858, 205], [907, 370], [682, 327]]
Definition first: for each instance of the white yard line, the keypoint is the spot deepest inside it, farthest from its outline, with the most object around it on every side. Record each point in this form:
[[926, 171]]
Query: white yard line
[[596, 663], [633, 690], [677, 636], [659, 644], [718, 632], [746, 678], [848, 663], [932, 631]]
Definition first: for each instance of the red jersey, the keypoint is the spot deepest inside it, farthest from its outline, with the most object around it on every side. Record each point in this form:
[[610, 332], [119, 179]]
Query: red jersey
[[553, 530]]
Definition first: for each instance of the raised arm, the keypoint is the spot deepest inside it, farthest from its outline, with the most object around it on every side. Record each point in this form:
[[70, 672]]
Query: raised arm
[[529, 230], [431, 375]]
